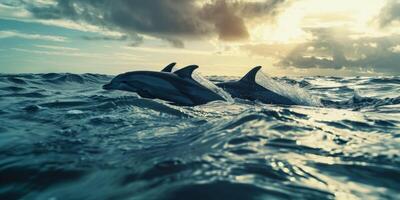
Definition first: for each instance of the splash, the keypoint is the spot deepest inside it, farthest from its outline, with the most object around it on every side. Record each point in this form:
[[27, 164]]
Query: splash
[[293, 92]]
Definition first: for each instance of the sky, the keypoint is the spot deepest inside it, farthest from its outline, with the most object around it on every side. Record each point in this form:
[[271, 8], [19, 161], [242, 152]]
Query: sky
[[223, 37]]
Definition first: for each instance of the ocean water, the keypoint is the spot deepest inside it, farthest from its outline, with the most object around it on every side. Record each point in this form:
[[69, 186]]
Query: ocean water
[[63, 137]]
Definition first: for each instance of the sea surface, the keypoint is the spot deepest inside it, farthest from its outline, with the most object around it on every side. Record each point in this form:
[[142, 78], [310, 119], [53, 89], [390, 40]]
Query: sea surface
[[63, 137]]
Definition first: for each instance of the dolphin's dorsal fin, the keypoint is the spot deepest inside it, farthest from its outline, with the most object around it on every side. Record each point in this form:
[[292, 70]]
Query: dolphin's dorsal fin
[[251, 75], [169, 67], [187, 71]]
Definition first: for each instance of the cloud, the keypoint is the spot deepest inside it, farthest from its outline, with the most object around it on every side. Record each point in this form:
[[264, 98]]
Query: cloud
[[336, 48], [395, 49], [228, 25], [52, 47], [390, 13], [277, 50], [53, 52], [11, 34], [11, 11], [105, 37], [171, 20]]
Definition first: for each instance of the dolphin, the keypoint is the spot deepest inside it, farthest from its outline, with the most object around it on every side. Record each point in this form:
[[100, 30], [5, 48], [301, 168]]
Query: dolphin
[[178, 87], [247, 88]]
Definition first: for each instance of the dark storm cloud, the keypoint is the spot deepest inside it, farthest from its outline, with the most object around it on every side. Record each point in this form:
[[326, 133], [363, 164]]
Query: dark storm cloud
[[337, 49], [171, 20], [227, 23], [389, 13]]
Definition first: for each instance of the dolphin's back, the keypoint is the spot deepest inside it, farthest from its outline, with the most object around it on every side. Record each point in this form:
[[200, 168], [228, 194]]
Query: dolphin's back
[[197, 77], [171, 87], [254, 92], [257, 86]]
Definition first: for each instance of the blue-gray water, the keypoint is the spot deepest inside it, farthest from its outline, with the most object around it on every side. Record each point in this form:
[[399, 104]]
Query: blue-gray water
[[63, 137]]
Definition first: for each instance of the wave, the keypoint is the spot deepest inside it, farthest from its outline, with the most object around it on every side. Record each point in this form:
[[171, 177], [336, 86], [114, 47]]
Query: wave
[[383, 80], [301, 84], [28, 95], [12, 89], [62, 135], [65, 78], [357, 102], [17, 80]]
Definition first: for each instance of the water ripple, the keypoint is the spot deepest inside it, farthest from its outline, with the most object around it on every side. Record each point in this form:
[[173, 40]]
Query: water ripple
[[60, 133]]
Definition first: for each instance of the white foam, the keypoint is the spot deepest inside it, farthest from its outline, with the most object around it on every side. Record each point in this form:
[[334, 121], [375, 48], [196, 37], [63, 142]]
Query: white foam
[[293, 92]]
